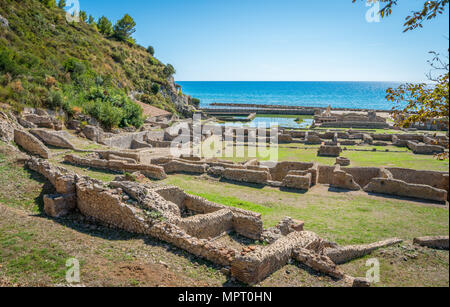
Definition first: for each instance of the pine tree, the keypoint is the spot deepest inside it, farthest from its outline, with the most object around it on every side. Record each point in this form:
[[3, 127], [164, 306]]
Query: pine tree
[[105, 26], [124, 28]]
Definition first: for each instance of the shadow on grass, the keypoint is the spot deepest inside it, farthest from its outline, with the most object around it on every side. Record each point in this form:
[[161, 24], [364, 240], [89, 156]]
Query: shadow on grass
[[416, 200], [290, 190], [244, 184], [339, 190]]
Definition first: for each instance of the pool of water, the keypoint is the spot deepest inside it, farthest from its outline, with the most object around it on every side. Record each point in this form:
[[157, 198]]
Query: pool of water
[[288, 122]]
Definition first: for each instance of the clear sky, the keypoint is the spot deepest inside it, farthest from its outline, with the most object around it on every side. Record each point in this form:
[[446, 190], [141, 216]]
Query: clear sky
[[280, 40]]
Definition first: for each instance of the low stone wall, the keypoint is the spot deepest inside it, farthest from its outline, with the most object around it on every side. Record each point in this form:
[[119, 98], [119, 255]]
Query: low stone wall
[[124, 141], [439, 180], [297, 182], [382, 137], [209, 225], [159, 144], [246, 223], [175, 166], [401, 188], [424, 149], [325, 174], [439, 242], [344, 254], [31, 144], [281, 169], [151, 171], [342, 161], [134, 155], [244, 175], [358, 125], [362, 175], [139, 145], [344, 180], [255, 266], [329, 151]]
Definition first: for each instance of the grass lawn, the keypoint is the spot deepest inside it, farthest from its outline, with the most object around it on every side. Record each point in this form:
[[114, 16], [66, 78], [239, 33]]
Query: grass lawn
[[34, 248], [404, 158], [347, 218]]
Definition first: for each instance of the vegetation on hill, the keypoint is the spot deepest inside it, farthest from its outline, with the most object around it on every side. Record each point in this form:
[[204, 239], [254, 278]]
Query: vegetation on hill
[[82, 67]]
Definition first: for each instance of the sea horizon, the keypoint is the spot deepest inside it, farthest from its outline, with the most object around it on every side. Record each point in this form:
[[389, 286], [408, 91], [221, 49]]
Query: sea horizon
[[338, 94]]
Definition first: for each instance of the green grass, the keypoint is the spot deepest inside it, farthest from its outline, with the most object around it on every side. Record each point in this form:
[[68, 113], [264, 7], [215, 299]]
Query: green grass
[[342, 217], [404, 158], [20, 256], [20, 187]]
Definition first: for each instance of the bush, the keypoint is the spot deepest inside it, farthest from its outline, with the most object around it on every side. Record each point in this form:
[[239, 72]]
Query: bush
[[195, 102], [74, 67], [55, 99], [155, 88], [151, 50], [8, 62]]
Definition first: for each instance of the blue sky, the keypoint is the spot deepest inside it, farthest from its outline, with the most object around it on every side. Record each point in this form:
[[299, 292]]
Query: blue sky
[[280, 40]]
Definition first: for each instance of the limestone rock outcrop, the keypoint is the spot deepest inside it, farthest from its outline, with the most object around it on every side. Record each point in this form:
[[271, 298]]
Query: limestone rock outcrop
[[31, 144], [53, 138]]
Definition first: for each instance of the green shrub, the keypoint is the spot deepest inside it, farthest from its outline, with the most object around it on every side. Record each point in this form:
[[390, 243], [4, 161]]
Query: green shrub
[[156, 88], [55, 99]]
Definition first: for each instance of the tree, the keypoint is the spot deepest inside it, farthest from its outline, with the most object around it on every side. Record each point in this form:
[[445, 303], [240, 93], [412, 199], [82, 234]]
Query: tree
[[91, 20], [421, 102], [169, 70], [151, 50], [429, 11], [424, 103], [62, 4], [124, 28], [83, 16], [105, 26]]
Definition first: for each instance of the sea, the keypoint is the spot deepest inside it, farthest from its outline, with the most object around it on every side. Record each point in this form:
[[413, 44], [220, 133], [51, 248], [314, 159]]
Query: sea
[[354, 95]]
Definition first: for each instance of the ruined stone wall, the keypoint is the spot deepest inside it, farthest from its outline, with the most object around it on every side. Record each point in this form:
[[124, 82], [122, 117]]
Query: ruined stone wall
[[209, 225], [297, 182], [212, 251], [424, 149], [124, 141], [280, 171], [382, 137], [244, 175], [95, 201], [325, 174], [246, 223], [175, 166], [435, 179], [135, 155], [362, 175], [255, 266], [401, 188], [151, 171]]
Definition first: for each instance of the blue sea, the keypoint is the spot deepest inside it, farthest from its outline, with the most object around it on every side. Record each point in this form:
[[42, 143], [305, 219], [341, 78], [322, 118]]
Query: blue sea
[[355, 95]]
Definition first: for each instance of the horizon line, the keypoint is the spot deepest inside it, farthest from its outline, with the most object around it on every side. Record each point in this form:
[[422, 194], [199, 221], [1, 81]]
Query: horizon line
[[298, 81]]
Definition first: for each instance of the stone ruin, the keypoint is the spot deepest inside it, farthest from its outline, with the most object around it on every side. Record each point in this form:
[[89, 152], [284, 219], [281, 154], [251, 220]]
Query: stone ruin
[[427, 185], [425, 144], [350, 120], [197, 226]]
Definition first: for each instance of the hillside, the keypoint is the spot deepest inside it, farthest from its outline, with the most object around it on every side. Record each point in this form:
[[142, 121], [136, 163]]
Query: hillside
[[47, 62]]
